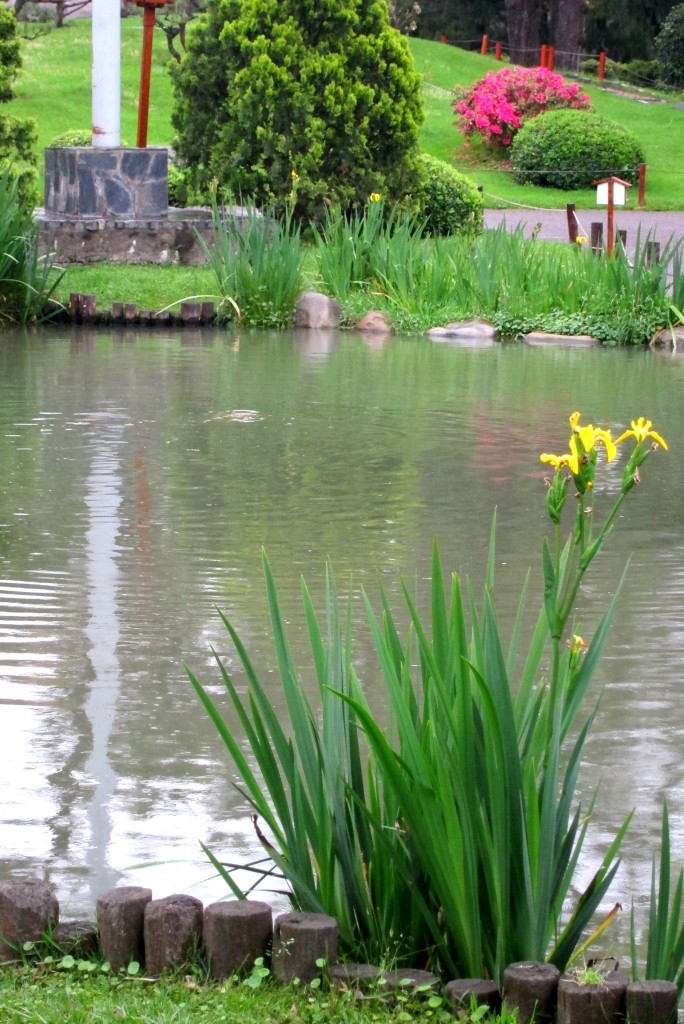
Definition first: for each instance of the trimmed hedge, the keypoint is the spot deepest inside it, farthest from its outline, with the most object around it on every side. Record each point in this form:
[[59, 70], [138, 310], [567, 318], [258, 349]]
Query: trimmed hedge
[[570, 149], [447, 199]]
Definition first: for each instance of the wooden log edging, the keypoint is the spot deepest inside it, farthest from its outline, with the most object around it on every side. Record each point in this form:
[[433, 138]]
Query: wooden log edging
[[161, 934], [81, 310]]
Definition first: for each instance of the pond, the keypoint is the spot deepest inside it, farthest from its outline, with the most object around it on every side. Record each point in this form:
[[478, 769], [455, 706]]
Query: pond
[[142, 473]]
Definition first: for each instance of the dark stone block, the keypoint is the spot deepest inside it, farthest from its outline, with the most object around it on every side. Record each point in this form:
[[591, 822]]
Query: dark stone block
[[533, 988], [159, 168], [173, 928], [236, 933], [28, 909], [299, 940], [98, 161], [118, 200], [135, 164], [120, 919], [85, 201]]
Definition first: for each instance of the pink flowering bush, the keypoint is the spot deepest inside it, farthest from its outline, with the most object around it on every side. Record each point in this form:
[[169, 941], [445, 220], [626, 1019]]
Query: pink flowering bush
[[497, 105]]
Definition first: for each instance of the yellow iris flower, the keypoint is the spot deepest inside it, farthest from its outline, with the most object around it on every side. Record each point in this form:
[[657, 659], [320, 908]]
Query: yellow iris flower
[[641, 429], [577, 645], [374, 197], [589, 435], [558, 461], [583, 440]]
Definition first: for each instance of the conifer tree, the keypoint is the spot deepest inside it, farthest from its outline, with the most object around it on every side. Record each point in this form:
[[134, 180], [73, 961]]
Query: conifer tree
[[303, 101]]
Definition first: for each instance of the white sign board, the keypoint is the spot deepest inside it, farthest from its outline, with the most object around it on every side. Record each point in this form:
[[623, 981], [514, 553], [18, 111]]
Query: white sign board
[[619, 194]]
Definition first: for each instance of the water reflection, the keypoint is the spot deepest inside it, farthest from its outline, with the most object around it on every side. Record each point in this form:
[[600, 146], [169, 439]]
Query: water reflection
[[103, 499], [143, 473]]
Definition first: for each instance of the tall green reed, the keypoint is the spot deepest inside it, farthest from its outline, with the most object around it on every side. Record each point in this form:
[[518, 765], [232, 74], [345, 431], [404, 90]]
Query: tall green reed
[[27, 279], [256, 258], [665, 930], [453, 835]]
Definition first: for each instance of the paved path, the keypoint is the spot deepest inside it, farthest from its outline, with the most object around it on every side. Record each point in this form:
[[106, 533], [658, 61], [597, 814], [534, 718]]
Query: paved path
[[554, 223]]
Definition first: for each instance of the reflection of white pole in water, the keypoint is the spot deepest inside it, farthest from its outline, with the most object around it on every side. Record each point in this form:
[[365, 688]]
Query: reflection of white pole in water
[[106, 80]]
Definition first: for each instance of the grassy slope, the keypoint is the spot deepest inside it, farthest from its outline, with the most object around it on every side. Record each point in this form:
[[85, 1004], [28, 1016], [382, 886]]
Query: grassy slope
[[55, 85], [55, 89], [659, 126]]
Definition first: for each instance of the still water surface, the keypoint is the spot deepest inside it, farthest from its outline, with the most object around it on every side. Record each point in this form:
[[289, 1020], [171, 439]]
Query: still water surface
[[140, 476]]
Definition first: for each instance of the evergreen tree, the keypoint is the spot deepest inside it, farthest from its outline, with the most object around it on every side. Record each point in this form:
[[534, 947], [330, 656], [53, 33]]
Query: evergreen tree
[[17, 135], [303, 101]]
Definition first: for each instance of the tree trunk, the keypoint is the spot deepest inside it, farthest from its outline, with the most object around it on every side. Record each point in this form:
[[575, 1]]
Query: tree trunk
[[523, 18], [566, 27]]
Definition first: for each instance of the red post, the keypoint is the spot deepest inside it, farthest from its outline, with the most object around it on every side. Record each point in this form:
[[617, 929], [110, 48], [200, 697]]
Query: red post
[[602, 65], [442, 39], [497, 51], [550, 55], [543, 56], [145, 64], [149, 10], [609, 229], [485, 46], [642, 185]]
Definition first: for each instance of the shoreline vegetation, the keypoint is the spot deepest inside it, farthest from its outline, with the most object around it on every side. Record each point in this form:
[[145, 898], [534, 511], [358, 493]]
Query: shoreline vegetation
[[416, 282]]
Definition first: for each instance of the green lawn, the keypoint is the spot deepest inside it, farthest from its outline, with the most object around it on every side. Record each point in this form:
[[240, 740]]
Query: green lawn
[[55, 90]]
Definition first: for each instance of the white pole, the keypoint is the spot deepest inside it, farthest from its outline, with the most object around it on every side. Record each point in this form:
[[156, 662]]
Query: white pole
[[106, 81]]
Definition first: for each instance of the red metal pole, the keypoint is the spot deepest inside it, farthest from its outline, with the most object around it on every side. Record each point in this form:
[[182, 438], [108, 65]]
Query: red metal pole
[[642, 185], [144, 98], [485, 46], [543, 55], [602, 65], [550, 55]]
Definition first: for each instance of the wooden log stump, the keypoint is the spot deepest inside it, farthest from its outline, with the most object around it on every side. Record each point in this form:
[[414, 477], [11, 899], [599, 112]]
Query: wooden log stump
[[235, 934], [533, 988], [121, 920], [299, 940]]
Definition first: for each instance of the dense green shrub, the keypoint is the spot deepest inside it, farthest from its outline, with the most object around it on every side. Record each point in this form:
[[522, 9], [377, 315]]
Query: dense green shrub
[[17, 135], [570, 149], [448, 201], [298, 103], [669, 47], [76, 137]]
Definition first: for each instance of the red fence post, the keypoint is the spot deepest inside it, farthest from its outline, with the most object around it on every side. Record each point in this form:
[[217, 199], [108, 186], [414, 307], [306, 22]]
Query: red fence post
[[442, 39], [550, 55], [497, 51], [642, 185], [543, 56], [602, 65], [485, 46]]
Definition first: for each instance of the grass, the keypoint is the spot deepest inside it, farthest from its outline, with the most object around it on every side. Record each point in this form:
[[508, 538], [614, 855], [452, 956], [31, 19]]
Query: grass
[[385, 264], [54, 88], [36, 996]]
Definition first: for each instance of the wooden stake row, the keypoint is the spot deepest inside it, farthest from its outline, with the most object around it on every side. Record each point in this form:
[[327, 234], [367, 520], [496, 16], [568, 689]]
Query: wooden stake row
[[82, 309]]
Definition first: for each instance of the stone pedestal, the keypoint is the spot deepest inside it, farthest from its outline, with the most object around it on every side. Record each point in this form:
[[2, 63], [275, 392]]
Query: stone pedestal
[[120, 183]]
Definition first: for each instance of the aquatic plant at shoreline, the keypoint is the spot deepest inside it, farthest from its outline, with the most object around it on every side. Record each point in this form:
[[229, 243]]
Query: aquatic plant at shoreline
[[453, 834], [665, 933], [27, 279], [256, 259]]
